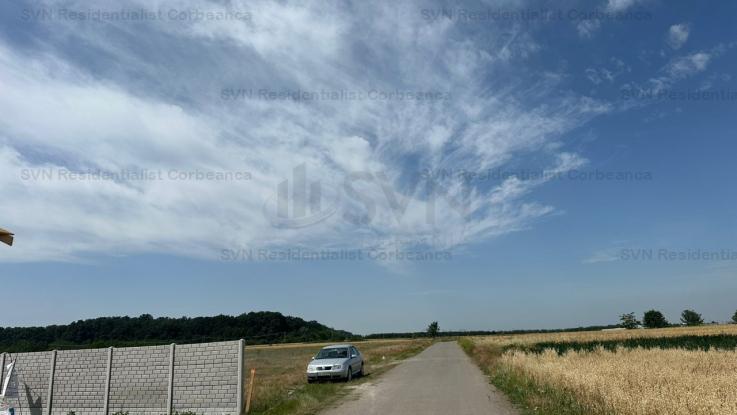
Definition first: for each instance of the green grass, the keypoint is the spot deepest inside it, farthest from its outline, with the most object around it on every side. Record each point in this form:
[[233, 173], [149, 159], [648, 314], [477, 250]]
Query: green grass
[[307, 399]]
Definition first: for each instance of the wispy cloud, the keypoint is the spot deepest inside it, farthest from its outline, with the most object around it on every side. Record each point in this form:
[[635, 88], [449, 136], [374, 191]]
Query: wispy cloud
[[151, 100], [683, 67], [604, 255], [607, 73]]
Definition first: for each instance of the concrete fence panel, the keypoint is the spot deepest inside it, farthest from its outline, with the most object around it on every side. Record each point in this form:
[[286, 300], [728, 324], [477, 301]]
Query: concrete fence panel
[[30, 396], [79, 382], [139, 380], [203, 378]]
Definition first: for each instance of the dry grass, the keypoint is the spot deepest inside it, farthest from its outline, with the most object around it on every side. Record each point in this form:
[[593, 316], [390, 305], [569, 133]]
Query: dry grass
[[638, 381], [280, 386], [586, 336]]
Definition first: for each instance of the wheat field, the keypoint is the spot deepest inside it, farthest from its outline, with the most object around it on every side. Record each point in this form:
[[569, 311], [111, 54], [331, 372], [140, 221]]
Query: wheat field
[[623, 381], [638, 381]]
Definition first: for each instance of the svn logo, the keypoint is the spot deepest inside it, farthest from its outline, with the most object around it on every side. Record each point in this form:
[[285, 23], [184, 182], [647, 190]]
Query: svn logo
[[301, 204], [636, 254]]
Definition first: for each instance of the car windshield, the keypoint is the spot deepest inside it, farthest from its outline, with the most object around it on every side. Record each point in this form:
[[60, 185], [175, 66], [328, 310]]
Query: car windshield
[[333, 353]]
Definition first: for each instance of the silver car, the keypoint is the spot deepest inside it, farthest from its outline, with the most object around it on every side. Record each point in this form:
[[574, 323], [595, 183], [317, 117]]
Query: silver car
[[338, 361]]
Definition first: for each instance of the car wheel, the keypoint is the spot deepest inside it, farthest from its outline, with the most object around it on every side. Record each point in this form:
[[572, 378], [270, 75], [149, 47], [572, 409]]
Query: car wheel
[[310, 380], [349, 376], [360, 372]]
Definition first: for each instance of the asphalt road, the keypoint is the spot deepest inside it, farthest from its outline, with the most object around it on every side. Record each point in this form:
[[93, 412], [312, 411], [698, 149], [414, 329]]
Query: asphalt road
[[441, 380]]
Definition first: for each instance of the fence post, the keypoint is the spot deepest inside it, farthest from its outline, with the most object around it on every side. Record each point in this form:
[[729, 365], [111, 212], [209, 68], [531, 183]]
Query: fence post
[[170, 403], [241, 385], [250, 389], [108, 379], [50, 397], [2, 373]]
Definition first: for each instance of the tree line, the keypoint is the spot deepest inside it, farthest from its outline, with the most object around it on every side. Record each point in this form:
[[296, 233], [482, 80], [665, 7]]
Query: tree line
[[654, 319], [434, 330], [262, 327]]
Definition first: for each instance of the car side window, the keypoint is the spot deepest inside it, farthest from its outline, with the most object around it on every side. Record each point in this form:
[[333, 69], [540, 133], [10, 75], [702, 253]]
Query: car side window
[[354, 351]]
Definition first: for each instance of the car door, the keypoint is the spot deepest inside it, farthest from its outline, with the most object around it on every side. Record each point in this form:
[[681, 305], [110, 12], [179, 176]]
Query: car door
[[355, 359]]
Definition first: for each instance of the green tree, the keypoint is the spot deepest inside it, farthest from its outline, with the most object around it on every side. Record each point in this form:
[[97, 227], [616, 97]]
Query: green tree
[[654, 319], [629, 321], [433, 329], [691, 318], [734, 318]]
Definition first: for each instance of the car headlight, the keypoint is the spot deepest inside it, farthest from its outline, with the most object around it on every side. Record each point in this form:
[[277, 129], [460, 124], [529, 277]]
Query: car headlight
[[337, 367]]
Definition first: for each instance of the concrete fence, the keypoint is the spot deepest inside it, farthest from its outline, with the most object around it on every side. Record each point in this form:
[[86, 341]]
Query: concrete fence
[[205, 378]]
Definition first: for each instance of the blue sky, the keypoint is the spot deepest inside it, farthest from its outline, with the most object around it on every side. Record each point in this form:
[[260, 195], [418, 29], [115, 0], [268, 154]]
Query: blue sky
[[490, 165]]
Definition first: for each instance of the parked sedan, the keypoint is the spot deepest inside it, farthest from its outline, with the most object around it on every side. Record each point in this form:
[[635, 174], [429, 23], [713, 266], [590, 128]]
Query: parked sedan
[[338, 361]]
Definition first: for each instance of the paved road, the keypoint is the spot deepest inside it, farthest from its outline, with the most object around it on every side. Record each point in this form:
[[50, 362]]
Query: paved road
[[441, 380]]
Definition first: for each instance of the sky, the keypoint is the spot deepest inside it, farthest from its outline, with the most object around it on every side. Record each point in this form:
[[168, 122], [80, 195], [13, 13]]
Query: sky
[[375, 166]]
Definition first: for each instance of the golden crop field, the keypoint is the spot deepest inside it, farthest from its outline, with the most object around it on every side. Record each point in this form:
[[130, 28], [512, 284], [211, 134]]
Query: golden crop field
[[638, 381], [623, 381]]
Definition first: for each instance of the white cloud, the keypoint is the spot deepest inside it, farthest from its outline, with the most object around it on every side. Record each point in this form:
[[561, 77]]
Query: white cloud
[[678, 35], [122, 114], [587, 28], [621, 5], [593, 76], [689, 65]]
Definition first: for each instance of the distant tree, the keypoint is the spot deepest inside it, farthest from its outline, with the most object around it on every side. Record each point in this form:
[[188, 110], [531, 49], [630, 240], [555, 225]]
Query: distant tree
[[629, 321], [654, 319], [691, 318], [433, 329], [734, 318]]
